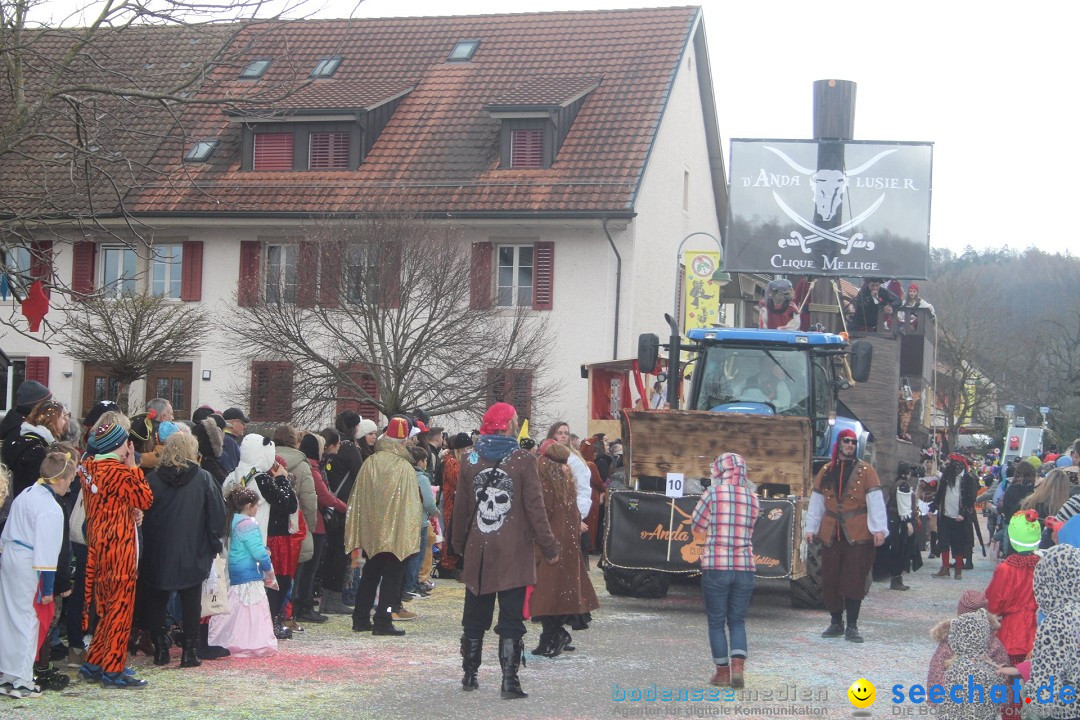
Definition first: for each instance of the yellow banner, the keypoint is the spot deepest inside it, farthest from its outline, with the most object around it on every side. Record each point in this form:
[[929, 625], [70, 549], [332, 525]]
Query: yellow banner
[[701, 295]]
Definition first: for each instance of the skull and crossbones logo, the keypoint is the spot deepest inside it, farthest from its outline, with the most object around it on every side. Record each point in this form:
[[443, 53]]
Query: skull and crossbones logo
[[494, 495]]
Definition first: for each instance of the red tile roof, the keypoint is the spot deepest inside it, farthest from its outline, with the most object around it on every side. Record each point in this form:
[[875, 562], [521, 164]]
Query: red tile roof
[[439, 152]]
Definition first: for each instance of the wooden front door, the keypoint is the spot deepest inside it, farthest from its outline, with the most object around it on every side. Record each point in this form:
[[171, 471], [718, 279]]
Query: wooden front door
[[172, 382], [98, 385]]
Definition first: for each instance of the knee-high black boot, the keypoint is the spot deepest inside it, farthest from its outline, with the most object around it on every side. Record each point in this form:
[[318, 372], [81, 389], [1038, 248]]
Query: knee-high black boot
[[549, 637], [511, 653], [471, 650]]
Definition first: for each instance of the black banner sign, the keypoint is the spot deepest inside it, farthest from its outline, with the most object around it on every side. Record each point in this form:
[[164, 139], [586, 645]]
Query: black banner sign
[[644, 532], [842, 209]]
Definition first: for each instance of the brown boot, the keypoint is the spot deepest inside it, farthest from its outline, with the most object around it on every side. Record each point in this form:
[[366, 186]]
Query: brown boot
[[943, 572], [958, 575], [738, 664], [722, 676]]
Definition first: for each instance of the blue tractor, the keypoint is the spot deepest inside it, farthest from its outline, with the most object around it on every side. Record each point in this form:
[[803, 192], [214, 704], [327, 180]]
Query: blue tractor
[[770, 395]]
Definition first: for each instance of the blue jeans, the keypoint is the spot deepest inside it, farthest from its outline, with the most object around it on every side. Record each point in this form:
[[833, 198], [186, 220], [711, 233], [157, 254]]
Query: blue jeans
[[727, 597], [412, 564]]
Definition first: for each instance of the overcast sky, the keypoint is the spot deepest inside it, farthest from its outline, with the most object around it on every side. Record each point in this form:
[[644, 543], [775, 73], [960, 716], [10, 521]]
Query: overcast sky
[[992, 85]]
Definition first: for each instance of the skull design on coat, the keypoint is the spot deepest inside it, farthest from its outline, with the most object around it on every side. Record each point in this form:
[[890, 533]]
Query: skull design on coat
[[494, 494]]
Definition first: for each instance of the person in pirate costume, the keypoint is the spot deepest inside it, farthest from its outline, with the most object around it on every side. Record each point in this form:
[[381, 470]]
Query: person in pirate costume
[[847, 513], [903, 511], [954, 503], [499, 520]]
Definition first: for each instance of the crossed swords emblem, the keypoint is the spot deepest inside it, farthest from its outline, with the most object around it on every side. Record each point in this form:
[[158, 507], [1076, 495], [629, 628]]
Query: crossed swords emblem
[[817, 233]]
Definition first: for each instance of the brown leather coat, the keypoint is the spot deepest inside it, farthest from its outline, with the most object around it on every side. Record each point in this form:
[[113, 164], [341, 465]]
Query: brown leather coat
[[846, 516]]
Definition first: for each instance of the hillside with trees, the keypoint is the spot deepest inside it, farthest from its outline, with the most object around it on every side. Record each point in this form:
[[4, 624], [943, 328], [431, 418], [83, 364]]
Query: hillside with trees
[[1009, 328]]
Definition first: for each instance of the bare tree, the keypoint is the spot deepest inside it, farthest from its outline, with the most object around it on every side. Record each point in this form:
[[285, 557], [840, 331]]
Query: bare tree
[[133, 335], [85, 112], [383, 310]]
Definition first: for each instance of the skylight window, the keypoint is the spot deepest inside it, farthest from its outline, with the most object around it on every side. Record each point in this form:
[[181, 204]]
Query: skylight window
[[200, 151], [463, 51], [326, 67], [256, 69]]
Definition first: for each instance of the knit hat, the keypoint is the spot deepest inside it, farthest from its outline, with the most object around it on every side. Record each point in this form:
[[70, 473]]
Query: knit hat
[[1025, 531], [914, 286], [971, 601], [397, 429], [729, 469], [1063, 461], [310, 447], [1069, 534], [460, 441], [107, 438], [368, 426], [497, 418], [349, 419], [30, 393], [166, 429]]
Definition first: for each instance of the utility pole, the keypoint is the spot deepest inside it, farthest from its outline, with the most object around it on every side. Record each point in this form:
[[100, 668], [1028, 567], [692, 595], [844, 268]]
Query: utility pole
[[834, 119]]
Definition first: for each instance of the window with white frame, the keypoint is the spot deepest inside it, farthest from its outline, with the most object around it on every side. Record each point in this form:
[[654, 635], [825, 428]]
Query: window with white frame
[[281, 274], [10, 379], [119, 270], [166, 270], [514, 276], [361, 274]]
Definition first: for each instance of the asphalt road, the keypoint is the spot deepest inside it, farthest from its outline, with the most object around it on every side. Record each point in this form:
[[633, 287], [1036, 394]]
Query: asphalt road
[[328, 672]]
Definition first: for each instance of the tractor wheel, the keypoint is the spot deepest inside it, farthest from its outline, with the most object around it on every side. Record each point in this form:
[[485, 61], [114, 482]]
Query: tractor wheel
[[635, 583]]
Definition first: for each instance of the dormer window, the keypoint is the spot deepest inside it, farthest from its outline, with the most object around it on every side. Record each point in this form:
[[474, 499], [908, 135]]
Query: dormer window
[[200, 151], [535, 118], [326, 67], [255, 69], [463, 51]]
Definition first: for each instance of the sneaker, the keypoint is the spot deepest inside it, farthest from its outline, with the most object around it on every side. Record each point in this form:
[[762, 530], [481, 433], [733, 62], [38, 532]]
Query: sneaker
[[75, 656], [20, 693], [428, 584], [413, 595], [121, 681], [403, 614], [90, 673]]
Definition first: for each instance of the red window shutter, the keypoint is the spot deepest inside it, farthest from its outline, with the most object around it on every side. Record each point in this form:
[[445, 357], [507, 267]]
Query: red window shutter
[[511, 386], [271, 391], [191, 272], [543, 275], [527, 149], [480, 290], [331, 258], [361, 402], [390, 275], [307, 275], [37, 368], [273, 151], [82, 268], [247, 290], [519, 391], [328, 151]]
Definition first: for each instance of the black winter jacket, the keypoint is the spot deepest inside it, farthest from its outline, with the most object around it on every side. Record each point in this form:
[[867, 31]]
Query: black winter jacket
[[181, 530]]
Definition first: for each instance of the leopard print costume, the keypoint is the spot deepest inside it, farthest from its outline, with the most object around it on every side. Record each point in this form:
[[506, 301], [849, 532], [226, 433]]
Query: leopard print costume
[[1057, 643], [969, 635]]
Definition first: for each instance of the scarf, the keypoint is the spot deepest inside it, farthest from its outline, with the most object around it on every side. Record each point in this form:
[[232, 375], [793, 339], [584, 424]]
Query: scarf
[[496, 447]]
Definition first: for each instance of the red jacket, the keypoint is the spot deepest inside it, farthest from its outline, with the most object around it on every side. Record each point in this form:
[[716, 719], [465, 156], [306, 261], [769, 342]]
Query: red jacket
[[1011, 594], [326, 498]]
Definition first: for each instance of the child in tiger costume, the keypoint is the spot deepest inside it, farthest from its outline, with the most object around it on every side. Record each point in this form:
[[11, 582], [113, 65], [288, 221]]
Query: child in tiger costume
[[115, 494]]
